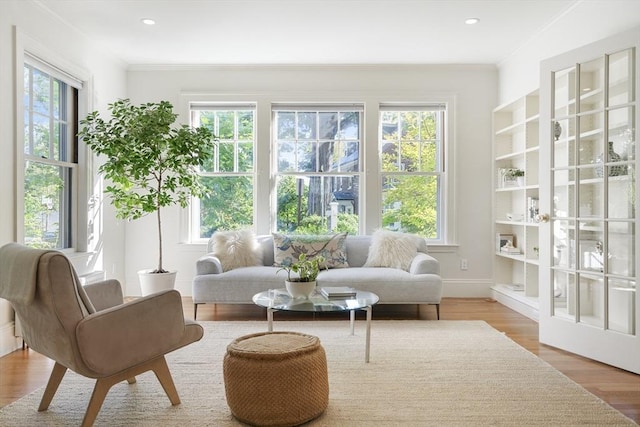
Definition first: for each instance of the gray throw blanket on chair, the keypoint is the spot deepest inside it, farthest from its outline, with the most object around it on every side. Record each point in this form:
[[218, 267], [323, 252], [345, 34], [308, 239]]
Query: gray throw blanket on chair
[[16, 260]]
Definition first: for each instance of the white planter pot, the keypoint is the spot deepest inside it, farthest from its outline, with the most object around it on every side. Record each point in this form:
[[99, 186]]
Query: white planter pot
[[301, 290], [150, 283]]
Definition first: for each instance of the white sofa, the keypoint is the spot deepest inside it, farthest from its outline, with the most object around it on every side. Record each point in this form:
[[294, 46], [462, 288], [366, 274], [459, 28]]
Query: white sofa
[[421, 284]]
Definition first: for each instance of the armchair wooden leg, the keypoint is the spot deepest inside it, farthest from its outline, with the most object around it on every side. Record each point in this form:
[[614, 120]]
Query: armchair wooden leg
[[161, 370], [97, 397], [52, 386], [157, 365]]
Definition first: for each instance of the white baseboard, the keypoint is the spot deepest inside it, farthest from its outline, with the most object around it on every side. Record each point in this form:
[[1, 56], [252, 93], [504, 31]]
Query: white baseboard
[[459, 288], [517, 302], [8, 342]]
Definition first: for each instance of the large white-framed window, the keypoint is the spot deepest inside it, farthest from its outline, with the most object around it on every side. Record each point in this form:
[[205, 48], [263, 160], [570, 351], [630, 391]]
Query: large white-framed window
[[50, 156], [317, 167], [412, 155], [333, 163], [230, 175]]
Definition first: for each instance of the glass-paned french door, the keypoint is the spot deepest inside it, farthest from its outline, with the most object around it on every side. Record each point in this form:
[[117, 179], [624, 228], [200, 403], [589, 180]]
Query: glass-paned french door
[[588, 129]]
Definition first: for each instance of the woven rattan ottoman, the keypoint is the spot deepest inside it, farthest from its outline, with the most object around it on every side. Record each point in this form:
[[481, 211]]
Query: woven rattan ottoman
[[276, 378]]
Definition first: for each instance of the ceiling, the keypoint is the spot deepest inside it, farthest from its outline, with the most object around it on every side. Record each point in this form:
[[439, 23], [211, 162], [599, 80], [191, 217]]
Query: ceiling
[[217, 32]]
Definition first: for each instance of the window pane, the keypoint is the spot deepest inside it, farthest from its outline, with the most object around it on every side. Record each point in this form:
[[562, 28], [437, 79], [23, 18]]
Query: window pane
[[286, 125], [245, 157], [411, 204], [429, 158], [245, 125], [317, 204], [339, 156], [349, 125], [230, 205], [226, 161], [44, 187], [41, 133], [286, 156], [390, 157], [226, 125], [307, 126], [41, 92], [307, 157], [328, 125]]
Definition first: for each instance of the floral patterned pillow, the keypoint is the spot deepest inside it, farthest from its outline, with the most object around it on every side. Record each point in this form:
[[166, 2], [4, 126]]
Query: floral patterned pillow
[[288, 247]]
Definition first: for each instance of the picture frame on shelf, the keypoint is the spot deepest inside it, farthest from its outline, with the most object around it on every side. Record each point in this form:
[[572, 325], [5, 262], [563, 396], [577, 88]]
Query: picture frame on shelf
[[503, 238]]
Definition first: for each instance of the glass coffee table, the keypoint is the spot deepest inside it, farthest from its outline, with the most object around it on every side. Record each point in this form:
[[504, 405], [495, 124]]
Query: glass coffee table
[[280, 300]]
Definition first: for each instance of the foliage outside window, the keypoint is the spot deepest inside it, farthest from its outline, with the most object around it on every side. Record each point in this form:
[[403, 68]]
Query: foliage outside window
[[230, 174], [411, 147], [317, 151], [50, 159]]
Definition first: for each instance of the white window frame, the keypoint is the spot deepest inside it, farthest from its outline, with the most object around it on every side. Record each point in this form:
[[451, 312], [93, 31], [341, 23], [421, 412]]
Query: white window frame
[[318, 107], [441, 170], [194, 209], [27, 49]]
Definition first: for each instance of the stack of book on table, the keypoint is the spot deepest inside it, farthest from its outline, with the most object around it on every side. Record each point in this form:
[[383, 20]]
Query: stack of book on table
[[338, 292]]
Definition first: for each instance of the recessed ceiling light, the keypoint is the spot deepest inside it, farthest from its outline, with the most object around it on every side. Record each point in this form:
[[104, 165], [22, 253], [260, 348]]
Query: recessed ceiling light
[[148, 21], [471, 21]]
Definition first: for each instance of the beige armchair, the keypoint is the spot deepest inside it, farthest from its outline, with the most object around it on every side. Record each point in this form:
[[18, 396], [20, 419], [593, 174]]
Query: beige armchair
[[89, 329]]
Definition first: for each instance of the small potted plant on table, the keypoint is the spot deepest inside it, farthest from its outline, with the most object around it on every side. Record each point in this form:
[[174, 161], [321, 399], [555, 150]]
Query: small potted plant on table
[[303, 282]]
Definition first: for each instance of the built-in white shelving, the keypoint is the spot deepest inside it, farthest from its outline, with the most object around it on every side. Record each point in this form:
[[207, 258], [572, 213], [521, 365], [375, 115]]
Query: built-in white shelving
[[516, 146]]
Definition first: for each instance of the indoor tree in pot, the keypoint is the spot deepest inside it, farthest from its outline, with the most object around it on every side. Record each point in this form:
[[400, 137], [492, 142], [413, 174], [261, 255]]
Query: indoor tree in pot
[[151, 164], [306, 271]]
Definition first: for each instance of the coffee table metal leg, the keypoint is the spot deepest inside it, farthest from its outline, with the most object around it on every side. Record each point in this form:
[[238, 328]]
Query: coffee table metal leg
[[366, 353], [352, 321], [270, 319]]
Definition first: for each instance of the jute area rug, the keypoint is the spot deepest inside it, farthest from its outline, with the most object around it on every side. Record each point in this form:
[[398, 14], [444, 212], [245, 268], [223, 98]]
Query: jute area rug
[[421, 373]]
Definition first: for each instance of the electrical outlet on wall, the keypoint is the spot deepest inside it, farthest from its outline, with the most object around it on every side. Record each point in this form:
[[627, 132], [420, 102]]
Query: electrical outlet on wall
[[464, 265]]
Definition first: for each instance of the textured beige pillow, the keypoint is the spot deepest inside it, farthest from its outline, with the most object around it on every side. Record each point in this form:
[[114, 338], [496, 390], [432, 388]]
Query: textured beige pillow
[[236, 249], [392, 249], [287, 249]]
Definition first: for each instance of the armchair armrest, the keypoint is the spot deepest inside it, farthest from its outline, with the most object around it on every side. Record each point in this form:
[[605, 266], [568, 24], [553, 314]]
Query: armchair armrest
[[120, 337], [424, 264], [104, 294], [208, 264]]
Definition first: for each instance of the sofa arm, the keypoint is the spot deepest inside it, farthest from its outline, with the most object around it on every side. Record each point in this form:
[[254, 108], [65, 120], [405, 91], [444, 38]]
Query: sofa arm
[[208, 264], [120, 337], [424, 264]]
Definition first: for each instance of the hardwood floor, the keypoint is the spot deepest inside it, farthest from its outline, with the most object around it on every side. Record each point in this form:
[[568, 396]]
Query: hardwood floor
[[24, 371]]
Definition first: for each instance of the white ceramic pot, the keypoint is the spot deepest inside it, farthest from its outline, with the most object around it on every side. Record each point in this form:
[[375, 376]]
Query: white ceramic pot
[[150, 283], [300, 289]]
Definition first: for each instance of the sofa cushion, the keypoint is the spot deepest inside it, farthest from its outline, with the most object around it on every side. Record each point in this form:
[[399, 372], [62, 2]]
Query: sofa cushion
[[235, 249], [392, 249], [287, 249]]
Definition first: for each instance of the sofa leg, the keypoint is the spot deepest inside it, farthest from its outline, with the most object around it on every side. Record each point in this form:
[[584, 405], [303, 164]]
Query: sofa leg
[[195, 311], [438, 311]]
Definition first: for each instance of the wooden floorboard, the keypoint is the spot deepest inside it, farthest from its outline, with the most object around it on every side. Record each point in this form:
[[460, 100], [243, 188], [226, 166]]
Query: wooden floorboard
[[24, 371]]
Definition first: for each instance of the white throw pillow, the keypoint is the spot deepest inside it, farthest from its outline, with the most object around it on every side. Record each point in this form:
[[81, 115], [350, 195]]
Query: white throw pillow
[[236, 249], [392, 249]]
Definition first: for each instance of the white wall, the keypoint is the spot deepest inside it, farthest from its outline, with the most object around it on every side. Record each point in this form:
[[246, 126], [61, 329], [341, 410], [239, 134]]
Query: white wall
[[38, 29], [586, 21], [475, 90]]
